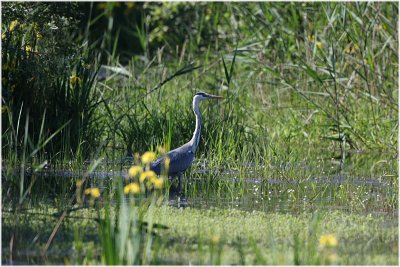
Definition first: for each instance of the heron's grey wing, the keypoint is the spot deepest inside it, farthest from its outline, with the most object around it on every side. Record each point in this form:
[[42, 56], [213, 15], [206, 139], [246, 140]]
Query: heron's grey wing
[[180, 159], [156, 165]]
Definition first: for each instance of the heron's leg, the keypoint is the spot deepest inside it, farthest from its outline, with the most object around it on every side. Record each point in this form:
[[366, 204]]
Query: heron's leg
[[180, 183]]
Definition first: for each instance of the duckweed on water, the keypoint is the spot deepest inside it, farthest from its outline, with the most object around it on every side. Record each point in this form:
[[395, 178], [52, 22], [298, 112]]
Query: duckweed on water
[[244, 237]]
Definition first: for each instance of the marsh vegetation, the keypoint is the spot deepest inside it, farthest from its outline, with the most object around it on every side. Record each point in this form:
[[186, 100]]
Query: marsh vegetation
[[297, 165]]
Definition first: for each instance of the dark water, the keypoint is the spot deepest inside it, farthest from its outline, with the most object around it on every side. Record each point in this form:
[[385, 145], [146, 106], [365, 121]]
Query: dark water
[[286, 187]]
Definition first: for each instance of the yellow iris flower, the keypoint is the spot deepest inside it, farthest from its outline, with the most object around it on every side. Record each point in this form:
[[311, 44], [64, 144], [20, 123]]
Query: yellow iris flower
[[134, 170], [328, 241], [93, 192], [148, 157], [147, 175], [133, 188]]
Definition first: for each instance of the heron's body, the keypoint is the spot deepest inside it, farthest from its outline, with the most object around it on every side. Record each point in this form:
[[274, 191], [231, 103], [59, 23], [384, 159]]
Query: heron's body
[[182, 157]]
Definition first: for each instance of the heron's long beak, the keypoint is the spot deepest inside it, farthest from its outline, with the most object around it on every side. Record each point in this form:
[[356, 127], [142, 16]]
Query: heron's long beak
[[215, 97]]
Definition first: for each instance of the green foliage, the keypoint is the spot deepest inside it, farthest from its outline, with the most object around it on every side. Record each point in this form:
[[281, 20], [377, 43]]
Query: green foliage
[[315, 55], [39, 60], [311, 55], [200, 24]]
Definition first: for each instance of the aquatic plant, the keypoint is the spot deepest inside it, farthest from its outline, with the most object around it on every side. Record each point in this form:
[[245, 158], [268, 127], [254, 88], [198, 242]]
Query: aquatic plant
[[126, 238]]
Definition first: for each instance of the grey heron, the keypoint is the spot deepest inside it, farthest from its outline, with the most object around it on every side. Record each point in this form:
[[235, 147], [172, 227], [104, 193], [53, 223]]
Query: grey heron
[[182, 157]]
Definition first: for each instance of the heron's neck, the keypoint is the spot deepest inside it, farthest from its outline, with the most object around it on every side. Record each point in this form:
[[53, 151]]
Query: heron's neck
[[194, 142]]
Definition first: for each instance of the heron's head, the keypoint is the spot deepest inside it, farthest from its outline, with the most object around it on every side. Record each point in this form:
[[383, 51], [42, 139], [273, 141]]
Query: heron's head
[[200, 96]]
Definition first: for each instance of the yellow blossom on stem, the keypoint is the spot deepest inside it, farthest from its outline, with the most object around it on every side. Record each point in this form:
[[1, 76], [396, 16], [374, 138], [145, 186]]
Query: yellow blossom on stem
[[328, 240], [352, 48], [134, 170], [147, 175], [133, 188], [79, 183], [148, 157], [13, 24], [74, 79], [161, 149], [93, 192], [167, 162], [215, 239], [157, 182]]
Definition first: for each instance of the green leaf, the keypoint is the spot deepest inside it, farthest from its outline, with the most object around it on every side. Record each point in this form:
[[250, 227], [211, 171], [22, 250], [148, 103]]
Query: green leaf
[[312, 73]]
